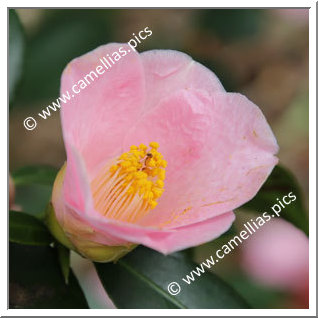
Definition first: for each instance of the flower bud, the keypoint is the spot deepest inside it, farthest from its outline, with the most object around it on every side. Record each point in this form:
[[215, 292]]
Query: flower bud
[[75, 233]]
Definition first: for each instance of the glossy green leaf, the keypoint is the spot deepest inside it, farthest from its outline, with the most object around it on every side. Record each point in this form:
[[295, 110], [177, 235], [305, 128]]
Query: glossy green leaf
[[33, 199], [35, 280], [34, 188], [16, 50], [26, 229], [64, 260], [140, 280], [34, 175], [280, 183]]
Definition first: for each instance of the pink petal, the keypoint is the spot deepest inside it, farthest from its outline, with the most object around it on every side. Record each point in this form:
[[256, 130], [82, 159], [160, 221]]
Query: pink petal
[[76, 186], [167, 71], [219, 149], [166, 240], [96, 120]]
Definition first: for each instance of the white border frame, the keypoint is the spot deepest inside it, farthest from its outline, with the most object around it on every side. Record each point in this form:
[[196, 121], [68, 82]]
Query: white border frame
[[312, 164]]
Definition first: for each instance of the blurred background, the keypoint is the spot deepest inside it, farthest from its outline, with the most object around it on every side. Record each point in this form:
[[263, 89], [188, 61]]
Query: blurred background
[[261, 53]]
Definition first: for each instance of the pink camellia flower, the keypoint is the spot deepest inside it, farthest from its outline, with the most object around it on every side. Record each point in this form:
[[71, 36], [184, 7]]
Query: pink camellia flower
[[278, 256], [158, 153]]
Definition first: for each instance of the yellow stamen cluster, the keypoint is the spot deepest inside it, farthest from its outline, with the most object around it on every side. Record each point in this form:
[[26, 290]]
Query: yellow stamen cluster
[[143, 171]]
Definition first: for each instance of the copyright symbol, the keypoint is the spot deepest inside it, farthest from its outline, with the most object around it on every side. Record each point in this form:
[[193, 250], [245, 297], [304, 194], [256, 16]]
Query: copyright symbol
[[29, 123], [174, 288]]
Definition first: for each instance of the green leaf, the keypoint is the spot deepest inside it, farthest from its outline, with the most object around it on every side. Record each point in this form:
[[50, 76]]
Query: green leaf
[[35, 280], [64, 260], [34, 188], [280, 183], [140, 280], [44, 175], [16, 50], [26, 229], [33, 199]]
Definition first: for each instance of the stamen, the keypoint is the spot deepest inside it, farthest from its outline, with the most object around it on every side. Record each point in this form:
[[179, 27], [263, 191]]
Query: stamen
[[129, 189]]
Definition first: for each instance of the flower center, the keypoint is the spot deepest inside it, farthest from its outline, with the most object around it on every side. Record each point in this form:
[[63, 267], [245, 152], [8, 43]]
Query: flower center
[[128, 189]]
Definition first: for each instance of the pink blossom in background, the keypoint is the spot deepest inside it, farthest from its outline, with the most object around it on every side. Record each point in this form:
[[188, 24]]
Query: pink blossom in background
[[277, 255], [158, 153]]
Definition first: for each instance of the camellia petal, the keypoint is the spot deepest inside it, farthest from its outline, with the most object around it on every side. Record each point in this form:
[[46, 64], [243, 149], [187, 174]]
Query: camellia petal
[[167, 71], [96, 120]]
